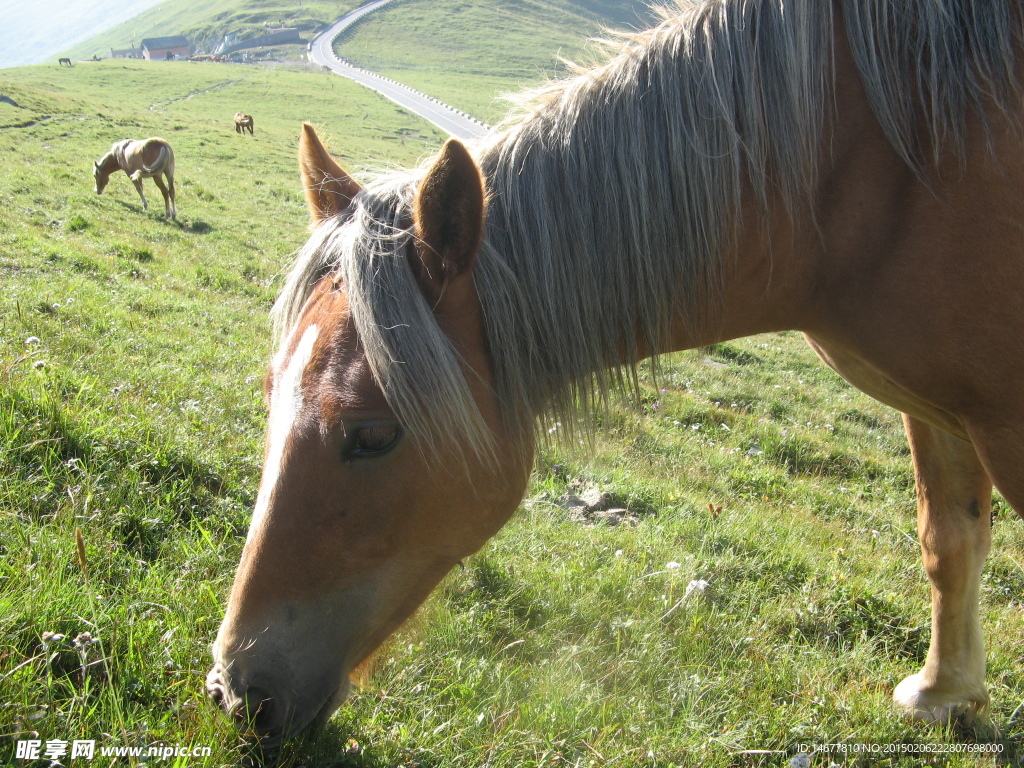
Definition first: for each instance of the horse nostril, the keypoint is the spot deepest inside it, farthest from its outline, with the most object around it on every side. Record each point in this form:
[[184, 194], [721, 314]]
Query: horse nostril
[[215, 686], [217, 694]]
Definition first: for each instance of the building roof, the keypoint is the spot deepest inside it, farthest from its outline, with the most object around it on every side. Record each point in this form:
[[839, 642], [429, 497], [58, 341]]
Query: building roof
[[177, 41]]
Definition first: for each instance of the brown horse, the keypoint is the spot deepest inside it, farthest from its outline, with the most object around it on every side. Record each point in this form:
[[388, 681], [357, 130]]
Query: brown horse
[[850, 169], [62, 62], [148, 158], [243, 122]]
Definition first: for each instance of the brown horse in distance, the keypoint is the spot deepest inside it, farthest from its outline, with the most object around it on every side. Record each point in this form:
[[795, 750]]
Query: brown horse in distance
[[62, 62], [243, 122], [144, 159]]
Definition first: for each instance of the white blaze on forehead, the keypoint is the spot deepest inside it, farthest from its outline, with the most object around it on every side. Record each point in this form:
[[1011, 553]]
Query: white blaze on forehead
[[285, 405]]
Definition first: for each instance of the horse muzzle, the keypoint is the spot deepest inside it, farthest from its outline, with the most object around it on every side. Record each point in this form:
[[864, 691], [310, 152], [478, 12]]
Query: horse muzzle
[[269, 709]]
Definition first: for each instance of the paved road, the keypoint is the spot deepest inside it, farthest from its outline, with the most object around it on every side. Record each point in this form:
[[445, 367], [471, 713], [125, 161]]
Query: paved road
[[448, 119]]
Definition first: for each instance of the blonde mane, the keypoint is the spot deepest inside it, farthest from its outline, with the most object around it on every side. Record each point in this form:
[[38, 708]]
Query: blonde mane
[[613, 189]]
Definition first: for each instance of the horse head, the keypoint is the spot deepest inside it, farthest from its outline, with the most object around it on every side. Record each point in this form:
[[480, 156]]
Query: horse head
[[101, 176], [359, 514]]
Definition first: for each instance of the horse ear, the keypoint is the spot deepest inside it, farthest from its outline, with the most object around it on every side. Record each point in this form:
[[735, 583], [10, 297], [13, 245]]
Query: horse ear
[[449, 214], [329, 190]]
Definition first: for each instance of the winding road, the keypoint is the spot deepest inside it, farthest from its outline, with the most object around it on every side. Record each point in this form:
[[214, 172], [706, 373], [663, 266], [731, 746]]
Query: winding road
[[448, 119]]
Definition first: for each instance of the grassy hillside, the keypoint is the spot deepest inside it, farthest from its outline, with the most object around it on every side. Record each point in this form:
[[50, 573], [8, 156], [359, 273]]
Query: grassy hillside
[[205, 22], [466, 54], [131, 355], [469, 54], [132, 351]]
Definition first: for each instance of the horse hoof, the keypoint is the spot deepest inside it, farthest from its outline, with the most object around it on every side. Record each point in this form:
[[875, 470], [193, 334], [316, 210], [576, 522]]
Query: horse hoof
[[922, 705]]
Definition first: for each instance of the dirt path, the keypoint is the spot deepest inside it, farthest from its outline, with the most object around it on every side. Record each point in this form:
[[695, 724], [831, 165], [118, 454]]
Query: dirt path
[[157, 104]]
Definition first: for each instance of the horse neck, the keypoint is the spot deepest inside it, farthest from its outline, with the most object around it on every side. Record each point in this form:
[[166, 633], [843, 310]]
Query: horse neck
[[108, 164], [621, 201], [632, 212], [752, 283], [608, 279]]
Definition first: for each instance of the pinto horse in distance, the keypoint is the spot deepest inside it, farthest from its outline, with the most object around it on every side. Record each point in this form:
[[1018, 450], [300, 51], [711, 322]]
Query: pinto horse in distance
[[243, 122], [144, 159], [850, 169]]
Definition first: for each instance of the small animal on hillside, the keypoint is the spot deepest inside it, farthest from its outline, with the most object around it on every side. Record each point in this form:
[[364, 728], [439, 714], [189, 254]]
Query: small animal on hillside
[[243, 122], [62, 62], [143, 159]]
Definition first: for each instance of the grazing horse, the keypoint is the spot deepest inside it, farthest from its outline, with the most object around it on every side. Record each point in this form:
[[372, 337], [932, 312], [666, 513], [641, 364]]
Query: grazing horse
[[148, 158], [243, 122], [62, 62], [850, 169]]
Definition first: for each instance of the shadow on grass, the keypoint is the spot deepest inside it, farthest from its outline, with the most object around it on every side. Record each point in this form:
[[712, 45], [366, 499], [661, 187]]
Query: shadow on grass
[[50, 448], [344, 741], [156, 212], [132, 207], [337, 745], [986, 733]]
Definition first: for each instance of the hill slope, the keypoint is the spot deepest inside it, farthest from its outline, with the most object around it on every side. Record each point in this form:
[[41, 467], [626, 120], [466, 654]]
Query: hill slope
[[241, 210], [466, 54], [469, 54], [132, 351], [205, 22]]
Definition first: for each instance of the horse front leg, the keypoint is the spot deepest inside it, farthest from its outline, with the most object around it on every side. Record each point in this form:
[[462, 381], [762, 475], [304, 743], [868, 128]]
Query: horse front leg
[[137, 181], [954, 495]]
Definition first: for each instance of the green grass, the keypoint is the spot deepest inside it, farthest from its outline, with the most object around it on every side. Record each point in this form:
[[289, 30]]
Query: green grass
[[470, 54], [132, 351], [131, 356]]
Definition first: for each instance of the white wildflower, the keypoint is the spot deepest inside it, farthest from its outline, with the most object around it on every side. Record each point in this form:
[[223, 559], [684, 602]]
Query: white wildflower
[[697, 585]]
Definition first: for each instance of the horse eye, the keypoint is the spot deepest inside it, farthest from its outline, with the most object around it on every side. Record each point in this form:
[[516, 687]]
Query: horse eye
[[374, 440]]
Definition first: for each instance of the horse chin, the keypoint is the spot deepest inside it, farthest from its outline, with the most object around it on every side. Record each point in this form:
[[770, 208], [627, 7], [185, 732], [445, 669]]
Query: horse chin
[[333, 703], [310, 723]]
